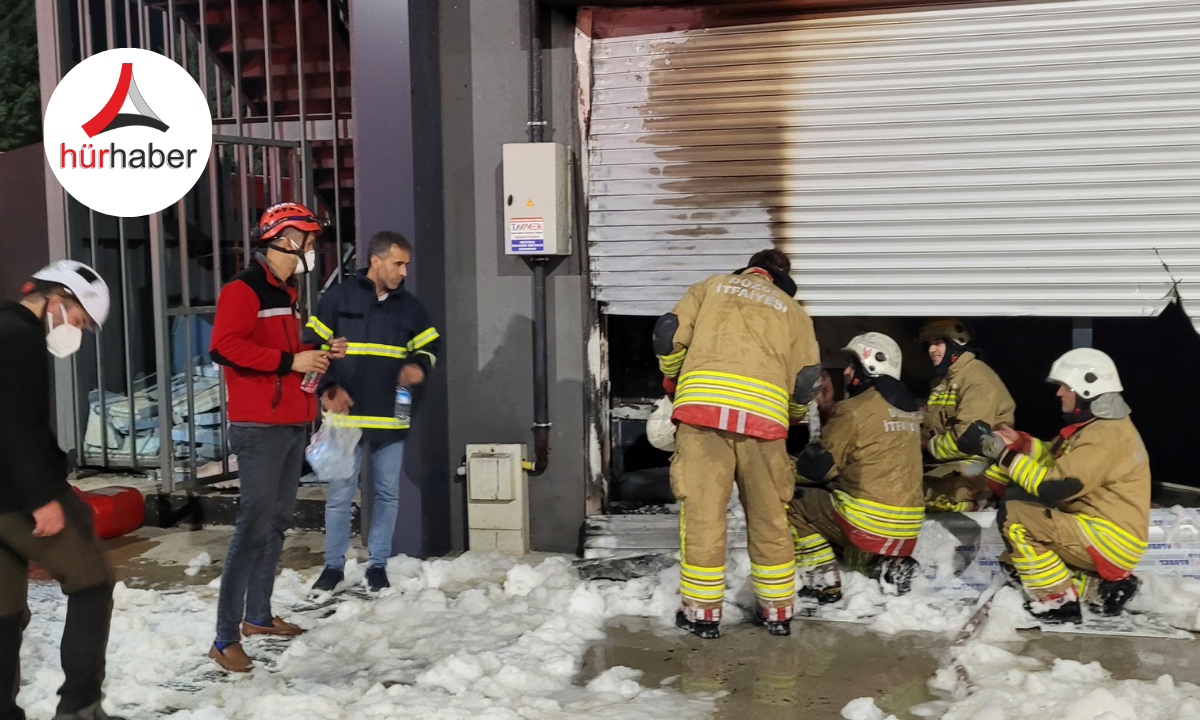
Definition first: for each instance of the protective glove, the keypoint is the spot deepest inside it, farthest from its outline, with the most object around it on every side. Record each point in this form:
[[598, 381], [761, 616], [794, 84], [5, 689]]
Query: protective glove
[[813, 465], [978, 439]]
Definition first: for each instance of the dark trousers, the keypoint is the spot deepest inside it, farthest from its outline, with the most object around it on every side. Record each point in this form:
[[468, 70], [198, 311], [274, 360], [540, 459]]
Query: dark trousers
[[269, 462], [75, 559]]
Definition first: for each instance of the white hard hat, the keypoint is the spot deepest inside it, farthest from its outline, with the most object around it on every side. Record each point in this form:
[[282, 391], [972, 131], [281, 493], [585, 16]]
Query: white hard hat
[[84, 283], [660, 431], [877, 353], [1088, 372]]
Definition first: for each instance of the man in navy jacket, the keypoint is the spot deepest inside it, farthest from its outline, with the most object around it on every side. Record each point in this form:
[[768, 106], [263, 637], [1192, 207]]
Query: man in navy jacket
[[390, 343]]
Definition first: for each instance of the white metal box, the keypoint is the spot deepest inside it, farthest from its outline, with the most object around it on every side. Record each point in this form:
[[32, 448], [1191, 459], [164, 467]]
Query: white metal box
[[538, 191], [497, 499]]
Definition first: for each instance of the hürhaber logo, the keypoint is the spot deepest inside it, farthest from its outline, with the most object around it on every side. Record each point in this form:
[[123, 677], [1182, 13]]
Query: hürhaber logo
[[127, 132]]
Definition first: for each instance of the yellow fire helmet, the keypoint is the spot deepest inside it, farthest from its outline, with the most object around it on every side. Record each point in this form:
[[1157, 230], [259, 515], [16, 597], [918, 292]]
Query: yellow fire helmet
[[950, 329]]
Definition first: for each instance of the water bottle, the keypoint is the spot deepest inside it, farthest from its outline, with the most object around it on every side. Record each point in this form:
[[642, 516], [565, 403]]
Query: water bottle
[[312, 378], [403, 404]]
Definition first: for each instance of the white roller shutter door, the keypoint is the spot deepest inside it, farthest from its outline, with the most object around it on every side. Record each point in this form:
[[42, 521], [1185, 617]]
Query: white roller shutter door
[[1016, 159]]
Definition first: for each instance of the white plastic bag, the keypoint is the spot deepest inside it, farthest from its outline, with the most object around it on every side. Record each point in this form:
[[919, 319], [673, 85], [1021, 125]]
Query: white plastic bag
[[660, 431], [331, 452]]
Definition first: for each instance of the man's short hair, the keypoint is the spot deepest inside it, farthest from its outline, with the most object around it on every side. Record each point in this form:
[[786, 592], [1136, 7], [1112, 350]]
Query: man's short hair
[[772, 260], [382, 243]]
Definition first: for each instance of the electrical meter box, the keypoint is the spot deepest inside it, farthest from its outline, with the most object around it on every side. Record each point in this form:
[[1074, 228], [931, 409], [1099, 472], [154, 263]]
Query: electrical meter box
[[538, 199]]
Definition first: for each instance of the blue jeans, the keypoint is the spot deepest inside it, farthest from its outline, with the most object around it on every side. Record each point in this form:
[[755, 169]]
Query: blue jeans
[[386, 460], [269, 462]]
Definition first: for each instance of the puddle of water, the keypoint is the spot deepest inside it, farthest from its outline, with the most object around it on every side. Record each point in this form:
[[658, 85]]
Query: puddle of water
[[814, 673]]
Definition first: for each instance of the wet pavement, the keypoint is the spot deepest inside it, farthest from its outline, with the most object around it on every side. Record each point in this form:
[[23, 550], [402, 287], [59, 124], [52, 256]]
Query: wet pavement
[[814, 673]]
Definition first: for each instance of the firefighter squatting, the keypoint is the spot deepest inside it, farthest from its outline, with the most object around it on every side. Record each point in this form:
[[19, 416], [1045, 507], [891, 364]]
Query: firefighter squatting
[[1073, 510]]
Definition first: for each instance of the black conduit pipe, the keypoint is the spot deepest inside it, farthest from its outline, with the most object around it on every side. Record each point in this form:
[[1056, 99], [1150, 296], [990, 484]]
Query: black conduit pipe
[[541, 378]]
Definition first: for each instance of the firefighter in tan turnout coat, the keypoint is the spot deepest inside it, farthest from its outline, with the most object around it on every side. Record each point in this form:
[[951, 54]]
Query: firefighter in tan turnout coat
[[1076, 516], [741, 357], [966, 391], [869, 453]]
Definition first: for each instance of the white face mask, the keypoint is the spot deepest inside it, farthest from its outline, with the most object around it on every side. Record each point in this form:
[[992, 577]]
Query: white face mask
[[64, 339], [308, 263]]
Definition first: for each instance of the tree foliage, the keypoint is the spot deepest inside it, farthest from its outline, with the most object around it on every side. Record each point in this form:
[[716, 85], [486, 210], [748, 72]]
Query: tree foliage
[[20, 89]]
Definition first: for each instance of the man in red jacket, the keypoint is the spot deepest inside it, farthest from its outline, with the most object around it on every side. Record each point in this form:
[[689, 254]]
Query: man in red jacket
[[256, 337]]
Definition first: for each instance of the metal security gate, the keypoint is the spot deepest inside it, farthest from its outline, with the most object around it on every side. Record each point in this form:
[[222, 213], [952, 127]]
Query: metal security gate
[[145, 394], [1014, 159]]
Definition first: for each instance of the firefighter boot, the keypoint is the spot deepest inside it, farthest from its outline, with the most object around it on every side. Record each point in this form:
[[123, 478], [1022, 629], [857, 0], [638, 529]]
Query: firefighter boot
[[895, 574], [823, 582], [703, 623], [1113, 594], [777, 621], [1057, 609]]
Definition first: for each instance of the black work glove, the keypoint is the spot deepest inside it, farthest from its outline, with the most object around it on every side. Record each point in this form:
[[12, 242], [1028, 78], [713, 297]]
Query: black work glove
[[978, 439], [813, 465]]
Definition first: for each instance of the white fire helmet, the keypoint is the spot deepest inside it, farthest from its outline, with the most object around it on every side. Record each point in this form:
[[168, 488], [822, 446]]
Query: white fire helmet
[[877, 353], [84, 283], [1088, 372], [660, 431]]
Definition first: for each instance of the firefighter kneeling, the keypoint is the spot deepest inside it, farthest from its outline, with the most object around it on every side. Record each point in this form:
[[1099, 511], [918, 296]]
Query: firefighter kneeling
[[1077, 514], [869, 454]]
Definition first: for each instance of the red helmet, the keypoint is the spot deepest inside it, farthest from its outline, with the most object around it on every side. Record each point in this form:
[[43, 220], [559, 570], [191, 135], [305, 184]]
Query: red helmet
[[289, 214]]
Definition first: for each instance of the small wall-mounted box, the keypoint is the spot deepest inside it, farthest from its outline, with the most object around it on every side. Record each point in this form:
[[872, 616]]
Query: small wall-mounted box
[[538, 199]]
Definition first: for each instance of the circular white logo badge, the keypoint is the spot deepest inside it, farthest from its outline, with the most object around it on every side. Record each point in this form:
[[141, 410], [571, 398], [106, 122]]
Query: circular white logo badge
[[127, 132]]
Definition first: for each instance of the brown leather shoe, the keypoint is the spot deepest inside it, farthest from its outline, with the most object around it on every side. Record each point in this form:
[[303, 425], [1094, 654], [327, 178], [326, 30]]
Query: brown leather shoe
[[233, 658], [278, 627]]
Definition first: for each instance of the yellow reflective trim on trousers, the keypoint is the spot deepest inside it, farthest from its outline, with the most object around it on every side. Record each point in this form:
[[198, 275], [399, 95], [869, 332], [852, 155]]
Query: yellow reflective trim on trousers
[[774, 593], [775, 574], [423, 339], [746, 390], [374, 423], [700, 572], [813, 540], [319, 328], [703, 591], [376, 349], [1117, 544]]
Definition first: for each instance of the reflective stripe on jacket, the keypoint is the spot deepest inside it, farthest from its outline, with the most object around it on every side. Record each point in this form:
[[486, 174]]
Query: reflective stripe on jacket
[[740, 343], [382, 337], [877, 491]]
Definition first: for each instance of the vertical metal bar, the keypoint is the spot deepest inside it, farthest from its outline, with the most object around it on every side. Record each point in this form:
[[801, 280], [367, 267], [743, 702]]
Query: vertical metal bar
[[220, 91], [161, 363], [304, 147], [183, 53], [110, 25], [267, 69], [168, 38], [245, 193], [169, 32], [202, 54], [127, 7], [128, 333], [213, 165], [237, 69], [337, 165], [143, 25], [237, 116], [100, 390], [185, 284], [85, 8]]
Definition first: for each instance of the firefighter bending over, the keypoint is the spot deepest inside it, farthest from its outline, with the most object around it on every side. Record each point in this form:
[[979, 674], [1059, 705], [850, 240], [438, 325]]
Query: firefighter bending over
[[965, 390], [859, 485], [1076, 516], [745, 359]]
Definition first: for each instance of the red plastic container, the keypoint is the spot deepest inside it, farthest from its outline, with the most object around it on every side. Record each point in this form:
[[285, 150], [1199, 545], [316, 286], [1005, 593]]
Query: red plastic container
[[116, 510]]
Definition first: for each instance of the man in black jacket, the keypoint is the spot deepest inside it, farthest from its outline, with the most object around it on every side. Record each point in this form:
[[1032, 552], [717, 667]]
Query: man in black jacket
[[41, 518], [391, 347]]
